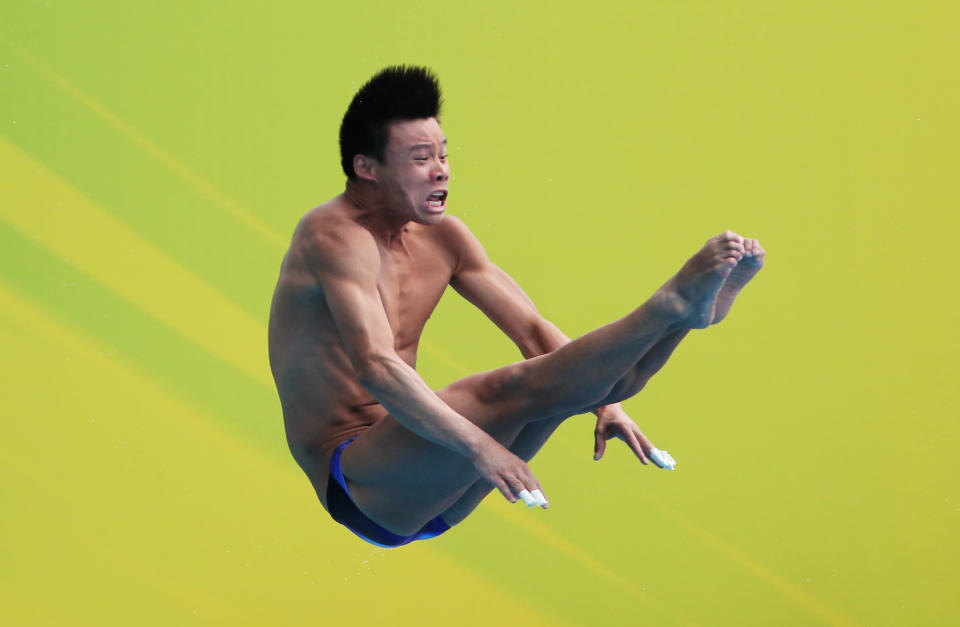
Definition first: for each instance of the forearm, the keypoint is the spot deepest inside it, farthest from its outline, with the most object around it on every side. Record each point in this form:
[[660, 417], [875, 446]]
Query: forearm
[[544, 337], [411, 402]]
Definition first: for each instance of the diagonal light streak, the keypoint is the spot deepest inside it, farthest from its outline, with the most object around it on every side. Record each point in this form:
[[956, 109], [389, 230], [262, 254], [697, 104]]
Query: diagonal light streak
[[173, 164], [50, 211], [544, 533], [134, 268], [161, 570], [548, 536], [521, 518], [766, 575], [245, 216]]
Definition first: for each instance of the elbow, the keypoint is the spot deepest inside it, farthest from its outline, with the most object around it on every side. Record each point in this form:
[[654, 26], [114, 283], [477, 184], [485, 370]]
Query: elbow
[[532, 341], [529, 348], [528, 344], [372, 369]]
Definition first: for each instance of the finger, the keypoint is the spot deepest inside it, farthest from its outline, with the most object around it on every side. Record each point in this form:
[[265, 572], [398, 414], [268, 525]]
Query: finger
[[527, 498], [527, 479], [505, 490], [600, 445], [662, 459], [540, 498], [517, 486], [528, 484], [530, 487], [533, 488], [645, 443], [634, 443]]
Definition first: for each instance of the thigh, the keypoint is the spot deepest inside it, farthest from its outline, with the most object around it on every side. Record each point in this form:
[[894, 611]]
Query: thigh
[[402, 480]]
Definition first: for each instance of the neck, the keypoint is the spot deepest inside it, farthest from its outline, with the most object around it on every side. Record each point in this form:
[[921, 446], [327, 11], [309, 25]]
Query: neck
[[373, 211]]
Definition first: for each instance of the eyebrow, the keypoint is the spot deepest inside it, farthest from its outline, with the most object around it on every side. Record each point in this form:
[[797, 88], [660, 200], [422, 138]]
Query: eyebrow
[[419, 146]]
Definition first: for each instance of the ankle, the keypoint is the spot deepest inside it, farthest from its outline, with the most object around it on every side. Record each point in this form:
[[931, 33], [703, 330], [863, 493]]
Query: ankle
[[668, 307]]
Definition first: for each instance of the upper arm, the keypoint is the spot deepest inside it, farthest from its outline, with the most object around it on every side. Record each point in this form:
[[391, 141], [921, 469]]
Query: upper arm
[[346, 263], [489, 288]]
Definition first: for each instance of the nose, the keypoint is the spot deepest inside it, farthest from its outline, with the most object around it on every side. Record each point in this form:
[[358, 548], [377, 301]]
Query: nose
[[442, 172]]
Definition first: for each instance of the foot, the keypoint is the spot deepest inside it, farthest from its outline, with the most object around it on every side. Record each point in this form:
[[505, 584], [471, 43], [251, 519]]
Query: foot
[[746, 269], [692, 293]]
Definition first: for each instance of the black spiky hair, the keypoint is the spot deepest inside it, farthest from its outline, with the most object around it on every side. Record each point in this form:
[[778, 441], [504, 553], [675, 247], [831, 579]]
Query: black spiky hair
[[395, 93]]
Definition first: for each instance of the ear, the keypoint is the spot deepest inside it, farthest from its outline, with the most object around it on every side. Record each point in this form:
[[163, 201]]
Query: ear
[[364, 166]]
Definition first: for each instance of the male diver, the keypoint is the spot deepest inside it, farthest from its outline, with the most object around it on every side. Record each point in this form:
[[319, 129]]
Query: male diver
[[391, 459]]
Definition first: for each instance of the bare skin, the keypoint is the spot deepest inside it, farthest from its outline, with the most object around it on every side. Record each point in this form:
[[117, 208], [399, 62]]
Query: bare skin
[[745, 270], [362, 276]]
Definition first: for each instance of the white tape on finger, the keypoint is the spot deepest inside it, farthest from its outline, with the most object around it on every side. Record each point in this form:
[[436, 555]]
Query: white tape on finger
[[527, 498], [662, 459], [540, 499]]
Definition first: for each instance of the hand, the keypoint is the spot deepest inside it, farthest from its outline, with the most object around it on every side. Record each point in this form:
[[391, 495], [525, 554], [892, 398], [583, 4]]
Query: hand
[[509, 474], [613, 422]]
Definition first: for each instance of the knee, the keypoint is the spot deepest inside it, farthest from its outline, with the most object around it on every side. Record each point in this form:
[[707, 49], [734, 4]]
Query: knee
[[624, 389], [519, 390], [519, 393], [496, 386], [558, 395]]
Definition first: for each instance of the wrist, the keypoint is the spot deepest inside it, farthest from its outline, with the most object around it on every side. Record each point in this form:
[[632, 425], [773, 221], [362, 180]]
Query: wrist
[[600, 411], [478, 445]]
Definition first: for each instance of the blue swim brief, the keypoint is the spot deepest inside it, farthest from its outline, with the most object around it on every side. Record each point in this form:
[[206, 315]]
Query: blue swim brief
[[343, 510]]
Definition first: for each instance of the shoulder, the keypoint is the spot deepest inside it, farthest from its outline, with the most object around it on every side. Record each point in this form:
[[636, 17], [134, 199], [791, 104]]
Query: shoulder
[[461, 241], [329, 226], [453, 228], [333, 243]]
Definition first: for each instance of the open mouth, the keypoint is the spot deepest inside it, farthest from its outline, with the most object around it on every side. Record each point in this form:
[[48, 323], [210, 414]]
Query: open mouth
[[437, 199]]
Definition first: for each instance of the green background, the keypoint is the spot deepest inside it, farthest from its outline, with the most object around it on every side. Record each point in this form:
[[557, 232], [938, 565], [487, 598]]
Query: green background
[[156, 156]]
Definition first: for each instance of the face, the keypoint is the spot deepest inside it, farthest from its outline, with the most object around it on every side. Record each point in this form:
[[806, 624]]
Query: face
[[415, 175]]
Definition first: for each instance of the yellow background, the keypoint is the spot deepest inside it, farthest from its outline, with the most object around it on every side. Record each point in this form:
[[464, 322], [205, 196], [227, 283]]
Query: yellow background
[[155, 157]]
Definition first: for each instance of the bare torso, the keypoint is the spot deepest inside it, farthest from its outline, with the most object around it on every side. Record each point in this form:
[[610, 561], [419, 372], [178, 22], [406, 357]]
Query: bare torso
[[323, 403]]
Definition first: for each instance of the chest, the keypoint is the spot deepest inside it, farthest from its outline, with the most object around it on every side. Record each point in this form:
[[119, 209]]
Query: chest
[[412, 279]]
